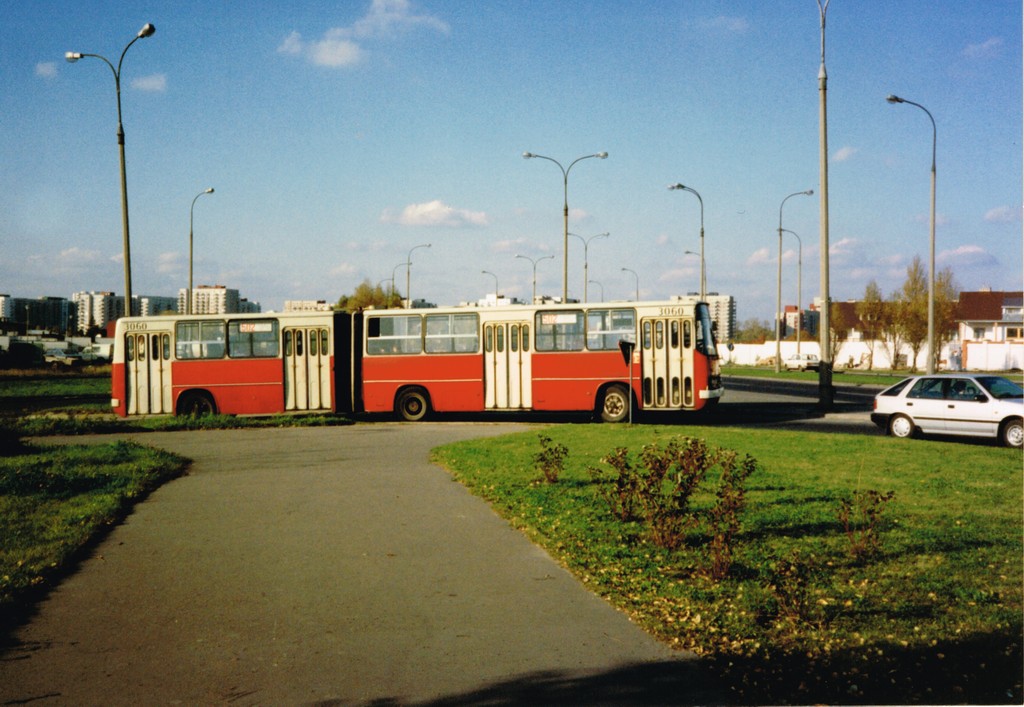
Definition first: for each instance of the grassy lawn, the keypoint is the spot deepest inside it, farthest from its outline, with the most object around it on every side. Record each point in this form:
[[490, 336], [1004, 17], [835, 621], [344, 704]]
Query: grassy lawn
[[55, 500], [933, 614]]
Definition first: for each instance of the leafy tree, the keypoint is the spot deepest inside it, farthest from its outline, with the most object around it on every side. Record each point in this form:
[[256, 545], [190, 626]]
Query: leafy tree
[[946, 298], [753, 331], [367, 296], [871, 311], [911, 302]]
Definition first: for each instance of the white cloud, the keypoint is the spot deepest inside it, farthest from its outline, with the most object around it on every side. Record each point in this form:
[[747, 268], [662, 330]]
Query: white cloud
[[167, 263], [343, 269], [966, 255], [982, 50], [760, 257], [436, 213], [508, 245], [46, 69], [1002, 214], [154, 83], [342, 47], [843, 154]]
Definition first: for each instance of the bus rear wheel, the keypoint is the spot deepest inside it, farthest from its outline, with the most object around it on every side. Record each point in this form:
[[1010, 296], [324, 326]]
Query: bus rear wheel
[[412, 404], [196, 404], [615, 405]]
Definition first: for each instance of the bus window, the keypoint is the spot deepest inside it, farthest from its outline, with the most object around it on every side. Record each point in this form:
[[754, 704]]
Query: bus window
[[401, 334], [686, 334], [559, 331], [606, 327], [199, 339], [452, 333], [705, 331], [253, 339]]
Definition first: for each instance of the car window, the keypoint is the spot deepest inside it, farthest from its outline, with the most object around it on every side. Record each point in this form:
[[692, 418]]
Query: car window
[[896, 389], [1001, 388], [962, 389], [928, 388]]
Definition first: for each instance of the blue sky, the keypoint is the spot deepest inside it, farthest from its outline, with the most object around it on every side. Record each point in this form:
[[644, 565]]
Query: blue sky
[[340, 135]]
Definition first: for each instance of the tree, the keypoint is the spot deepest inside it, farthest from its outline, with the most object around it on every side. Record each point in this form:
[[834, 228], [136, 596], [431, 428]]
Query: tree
[[753, 331], [871, 311], [911, 302], [946, 299], [839, 329], [367, 296]]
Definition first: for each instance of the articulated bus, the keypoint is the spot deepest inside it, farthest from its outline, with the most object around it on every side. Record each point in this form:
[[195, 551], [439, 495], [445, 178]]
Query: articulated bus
[[571, 357]]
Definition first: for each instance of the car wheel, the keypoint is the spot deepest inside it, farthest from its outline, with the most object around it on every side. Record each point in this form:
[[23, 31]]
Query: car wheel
[[615, 406], [413, 404], [901, 426], [1012, 433]]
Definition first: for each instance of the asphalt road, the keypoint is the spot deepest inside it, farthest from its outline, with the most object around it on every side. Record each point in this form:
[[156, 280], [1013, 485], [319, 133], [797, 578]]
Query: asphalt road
[[329, 566]]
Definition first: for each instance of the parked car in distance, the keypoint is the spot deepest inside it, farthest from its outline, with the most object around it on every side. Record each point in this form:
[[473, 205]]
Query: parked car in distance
[[953, 404], [802, 362]]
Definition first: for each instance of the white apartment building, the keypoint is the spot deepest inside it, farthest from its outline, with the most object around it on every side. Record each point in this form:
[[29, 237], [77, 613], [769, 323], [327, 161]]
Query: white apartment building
[[97, 309], [6, 308], [306, 305], [210, 299]]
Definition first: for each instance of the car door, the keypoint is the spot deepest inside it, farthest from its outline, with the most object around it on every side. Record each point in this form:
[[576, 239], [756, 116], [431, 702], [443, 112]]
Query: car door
[[926, 403], [969, 409]]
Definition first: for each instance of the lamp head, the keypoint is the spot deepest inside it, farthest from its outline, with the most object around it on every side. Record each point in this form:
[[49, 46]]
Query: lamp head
[[809, 192], [602, 155], [676, 186], [209, 190], [72, 57], [893, 99], [528, 155], [146, 31]]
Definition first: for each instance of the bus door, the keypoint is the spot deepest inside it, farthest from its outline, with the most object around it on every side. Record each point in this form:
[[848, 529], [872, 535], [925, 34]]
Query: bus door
[[507, 377], [307, 368], [147, 365], [667, 362]]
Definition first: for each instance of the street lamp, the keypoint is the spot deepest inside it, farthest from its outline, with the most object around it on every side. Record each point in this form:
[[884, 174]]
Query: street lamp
[[188, 300], [703, 271], [586, 258], [565, 212], [595, 282], [778, 306], [408, 264], [146, 31], [534, 263], [931, 241], [393, 271], [799, 287], [488, 272], [825, 392], [637, 279]]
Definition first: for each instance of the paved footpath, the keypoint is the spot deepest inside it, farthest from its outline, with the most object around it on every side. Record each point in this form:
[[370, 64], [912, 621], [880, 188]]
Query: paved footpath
[[329, 566]]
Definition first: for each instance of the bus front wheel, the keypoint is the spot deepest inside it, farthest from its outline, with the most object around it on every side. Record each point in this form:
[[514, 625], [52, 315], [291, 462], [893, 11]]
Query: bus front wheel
[[615, 406], [412, 404], [196, 404]]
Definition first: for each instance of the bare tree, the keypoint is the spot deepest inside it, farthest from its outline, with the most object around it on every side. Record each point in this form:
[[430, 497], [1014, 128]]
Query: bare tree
[[946, 298]]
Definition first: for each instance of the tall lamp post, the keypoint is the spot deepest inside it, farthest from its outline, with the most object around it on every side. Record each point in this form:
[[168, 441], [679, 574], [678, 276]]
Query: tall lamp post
[[565, 212], [595, 282], [586, 259], [146, 31], [778, 305], [488, 272], [825, 392], [534, 264], [188, 301], [703, 271], [636, 278], [931, 241], [408, 264], [799, 287], [393, 271]]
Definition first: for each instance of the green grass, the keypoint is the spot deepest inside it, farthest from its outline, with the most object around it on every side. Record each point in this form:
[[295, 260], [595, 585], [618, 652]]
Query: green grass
[[55, 500], [37, 383], [934, 616]]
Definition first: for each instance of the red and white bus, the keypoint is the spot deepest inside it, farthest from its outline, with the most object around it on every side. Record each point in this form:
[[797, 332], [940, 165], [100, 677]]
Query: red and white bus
[[538, 357], [237, 364], [413, 362]]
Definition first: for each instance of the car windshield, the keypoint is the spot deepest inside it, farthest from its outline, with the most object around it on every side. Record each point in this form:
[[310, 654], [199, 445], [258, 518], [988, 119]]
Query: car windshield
[[1001, 388]]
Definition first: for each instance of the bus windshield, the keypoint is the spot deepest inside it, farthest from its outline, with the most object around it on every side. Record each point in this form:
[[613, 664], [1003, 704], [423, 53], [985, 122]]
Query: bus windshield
[[705, 331]]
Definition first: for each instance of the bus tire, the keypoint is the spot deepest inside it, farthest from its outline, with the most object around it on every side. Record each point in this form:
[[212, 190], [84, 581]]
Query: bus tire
[[615, 403], [412, 404], [196, 403]]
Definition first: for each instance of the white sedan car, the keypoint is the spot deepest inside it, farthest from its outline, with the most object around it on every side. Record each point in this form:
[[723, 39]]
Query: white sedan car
[[953, 404]]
